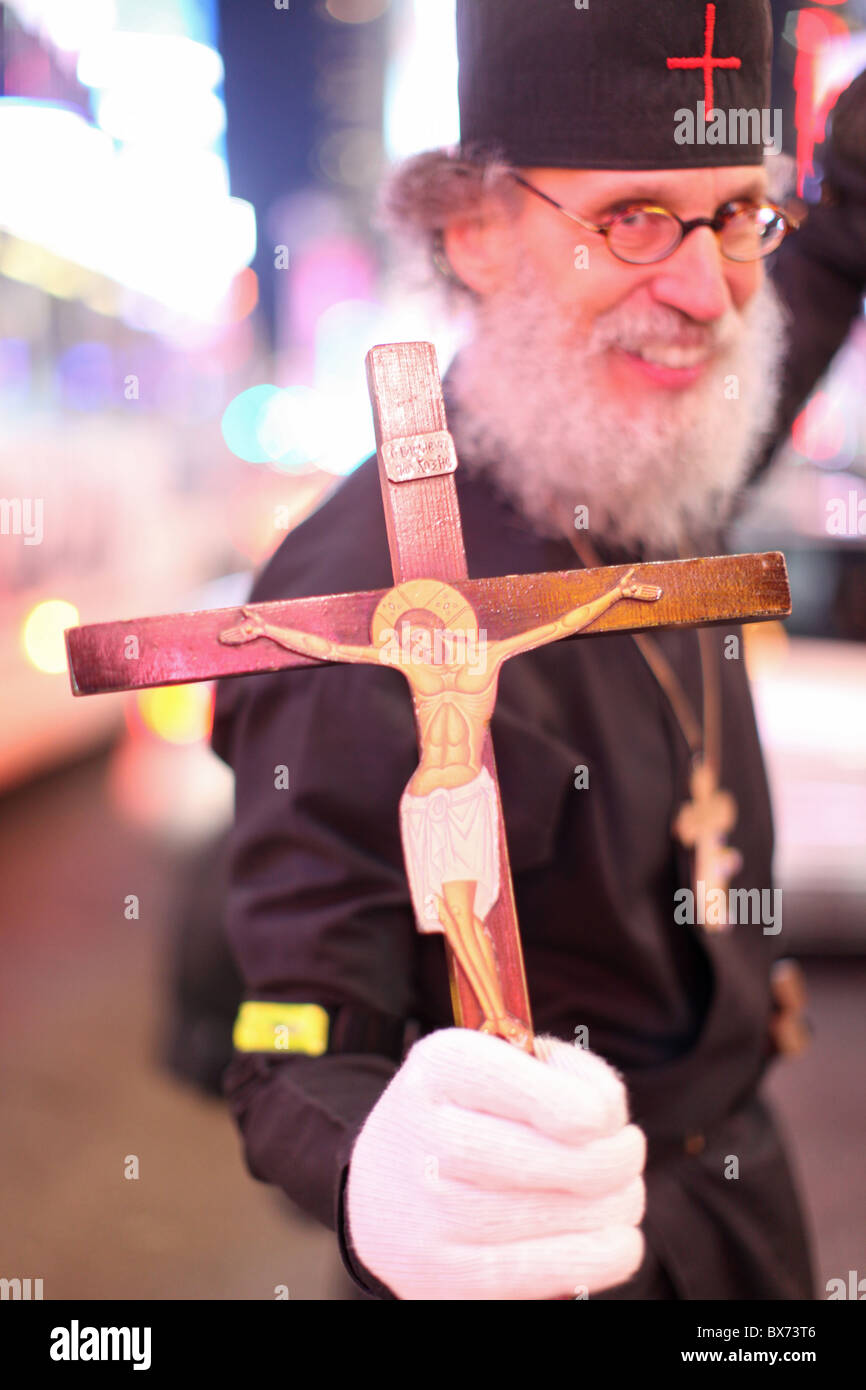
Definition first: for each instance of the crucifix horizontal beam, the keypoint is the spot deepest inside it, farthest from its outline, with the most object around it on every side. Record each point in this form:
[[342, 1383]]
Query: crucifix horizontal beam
[[182, 647]]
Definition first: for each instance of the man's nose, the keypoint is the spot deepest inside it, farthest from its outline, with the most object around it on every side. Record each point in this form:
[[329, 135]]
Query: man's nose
[[693, 279]]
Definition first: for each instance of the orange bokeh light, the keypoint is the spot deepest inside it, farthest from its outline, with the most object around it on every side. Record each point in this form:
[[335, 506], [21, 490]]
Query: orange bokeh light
[[178, 714]]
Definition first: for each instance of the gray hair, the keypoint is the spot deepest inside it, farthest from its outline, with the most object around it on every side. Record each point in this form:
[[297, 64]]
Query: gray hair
[[420, 196]]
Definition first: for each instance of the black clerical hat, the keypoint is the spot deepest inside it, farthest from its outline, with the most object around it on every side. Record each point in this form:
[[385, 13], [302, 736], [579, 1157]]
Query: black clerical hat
[[615, 84]]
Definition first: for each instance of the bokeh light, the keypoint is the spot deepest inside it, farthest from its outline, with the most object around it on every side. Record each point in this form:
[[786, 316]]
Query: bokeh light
[[819, 431], [176, 713], [356, 11], [293, 428], [288, 428], [241, 422], [42, 634]]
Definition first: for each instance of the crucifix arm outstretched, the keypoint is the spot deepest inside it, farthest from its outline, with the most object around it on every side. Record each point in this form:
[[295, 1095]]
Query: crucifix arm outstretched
[[576, 619], [294, 640]]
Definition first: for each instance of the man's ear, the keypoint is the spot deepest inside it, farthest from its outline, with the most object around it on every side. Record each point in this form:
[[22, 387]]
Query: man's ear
[[480, 248]]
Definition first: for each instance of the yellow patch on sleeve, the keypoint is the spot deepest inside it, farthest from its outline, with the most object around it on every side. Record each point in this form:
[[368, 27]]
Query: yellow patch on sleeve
[[261, 1027]]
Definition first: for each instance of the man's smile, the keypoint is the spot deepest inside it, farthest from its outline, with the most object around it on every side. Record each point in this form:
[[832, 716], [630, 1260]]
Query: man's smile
[[667, 364]]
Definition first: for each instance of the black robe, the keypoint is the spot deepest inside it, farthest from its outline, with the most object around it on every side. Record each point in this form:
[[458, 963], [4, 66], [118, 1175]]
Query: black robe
[[319, 908]]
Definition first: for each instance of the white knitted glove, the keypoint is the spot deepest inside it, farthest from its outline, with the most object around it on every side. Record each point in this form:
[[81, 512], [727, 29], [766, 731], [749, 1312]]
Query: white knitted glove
[[484, 1173]]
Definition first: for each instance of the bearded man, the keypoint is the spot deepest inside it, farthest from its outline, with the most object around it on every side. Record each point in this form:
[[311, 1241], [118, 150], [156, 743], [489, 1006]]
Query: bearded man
[[621, 384]]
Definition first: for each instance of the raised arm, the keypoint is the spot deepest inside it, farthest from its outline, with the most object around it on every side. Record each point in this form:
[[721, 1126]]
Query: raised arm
[[820, 271]]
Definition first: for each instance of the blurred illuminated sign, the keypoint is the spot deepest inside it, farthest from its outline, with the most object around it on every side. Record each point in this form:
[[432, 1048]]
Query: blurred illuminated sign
[[141, 196]]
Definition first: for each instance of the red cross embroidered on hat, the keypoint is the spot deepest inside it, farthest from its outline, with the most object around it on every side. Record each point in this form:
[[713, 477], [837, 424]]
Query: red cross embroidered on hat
[[609, 85]]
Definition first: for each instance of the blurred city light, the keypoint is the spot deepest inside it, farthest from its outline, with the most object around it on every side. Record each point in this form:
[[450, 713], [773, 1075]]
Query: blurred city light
[[356, 11], [293, 428], [241, 422], [133, 60], [814, 33], [421, 110], [165, 229], [181, 117], [176, 713], [242, 298], [181, 175], [14, 366], [42, 634], [68, 24], [325, 272], [87, 376], [178, 792], [819, 431], [345, 332], [142, 197]]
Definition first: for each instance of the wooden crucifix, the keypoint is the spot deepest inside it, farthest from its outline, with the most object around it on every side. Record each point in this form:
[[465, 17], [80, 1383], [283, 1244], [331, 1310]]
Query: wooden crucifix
[[449, 636]]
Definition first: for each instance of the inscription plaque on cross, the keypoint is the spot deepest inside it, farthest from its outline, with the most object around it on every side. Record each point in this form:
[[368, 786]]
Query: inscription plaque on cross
[[449, 636]]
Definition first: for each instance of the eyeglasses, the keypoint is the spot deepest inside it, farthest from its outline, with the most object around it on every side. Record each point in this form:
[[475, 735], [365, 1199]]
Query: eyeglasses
[[643, 233]]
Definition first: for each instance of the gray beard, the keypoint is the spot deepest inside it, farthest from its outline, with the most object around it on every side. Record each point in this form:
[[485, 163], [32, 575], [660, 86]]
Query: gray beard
[[656, 476]]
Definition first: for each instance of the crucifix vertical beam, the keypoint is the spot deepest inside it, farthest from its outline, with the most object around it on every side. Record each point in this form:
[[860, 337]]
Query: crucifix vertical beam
[[425, 536]]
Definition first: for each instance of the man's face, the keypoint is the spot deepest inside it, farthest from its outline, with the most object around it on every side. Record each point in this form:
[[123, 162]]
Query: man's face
[[696, 280]]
